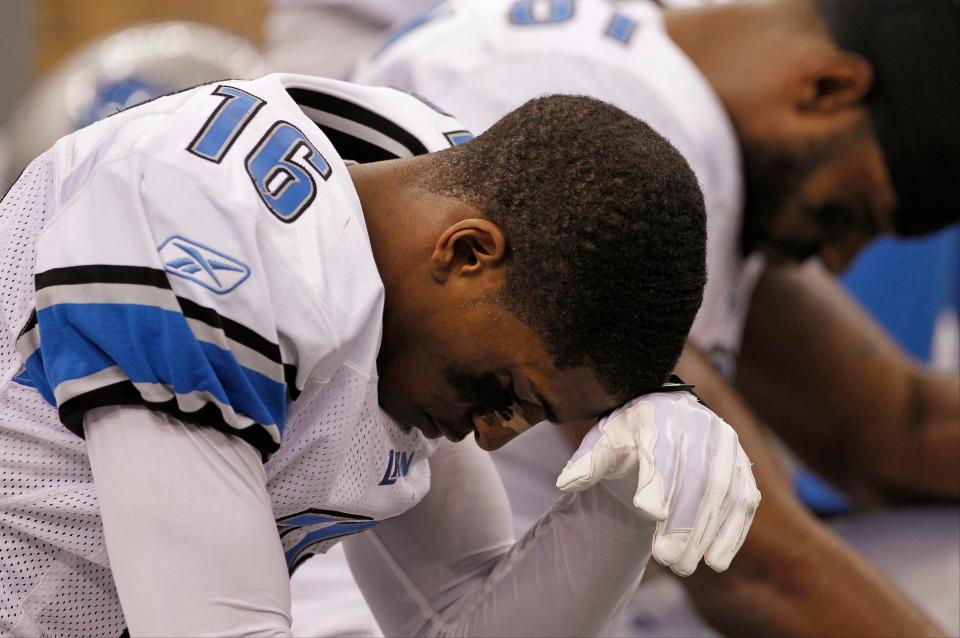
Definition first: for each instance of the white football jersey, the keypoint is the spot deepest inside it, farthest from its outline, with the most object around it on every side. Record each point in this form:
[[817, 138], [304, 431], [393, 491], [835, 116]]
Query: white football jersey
[[204, 255], [482, 58]]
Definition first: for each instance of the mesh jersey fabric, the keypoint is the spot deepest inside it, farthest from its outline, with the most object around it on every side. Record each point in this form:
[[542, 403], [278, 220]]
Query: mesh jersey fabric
[[342, 464]]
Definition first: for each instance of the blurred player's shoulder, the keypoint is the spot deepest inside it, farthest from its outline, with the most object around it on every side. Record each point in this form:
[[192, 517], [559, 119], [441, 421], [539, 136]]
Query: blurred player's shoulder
[[485, 27]]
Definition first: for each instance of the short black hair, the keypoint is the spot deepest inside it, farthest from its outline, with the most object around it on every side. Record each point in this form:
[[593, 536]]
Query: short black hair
[[606, 233], [913, 47]]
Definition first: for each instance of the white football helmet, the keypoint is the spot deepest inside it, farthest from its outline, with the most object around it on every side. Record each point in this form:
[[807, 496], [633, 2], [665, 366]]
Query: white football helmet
[[121, 70]]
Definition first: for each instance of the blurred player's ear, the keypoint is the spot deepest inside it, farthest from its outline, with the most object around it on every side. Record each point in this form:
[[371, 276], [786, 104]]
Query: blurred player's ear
[[468, 248], [832, 82]]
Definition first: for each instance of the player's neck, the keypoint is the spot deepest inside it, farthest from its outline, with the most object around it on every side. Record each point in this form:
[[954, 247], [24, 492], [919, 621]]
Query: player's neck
[[381, 200], [404, 220]]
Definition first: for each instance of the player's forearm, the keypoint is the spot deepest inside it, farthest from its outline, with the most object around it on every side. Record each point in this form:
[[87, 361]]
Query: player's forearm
[[837, 389], [793, 576], [922, 456], [566, 576]]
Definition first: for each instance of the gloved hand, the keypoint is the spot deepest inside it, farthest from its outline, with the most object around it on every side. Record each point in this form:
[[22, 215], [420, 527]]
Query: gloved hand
[[670, 457]]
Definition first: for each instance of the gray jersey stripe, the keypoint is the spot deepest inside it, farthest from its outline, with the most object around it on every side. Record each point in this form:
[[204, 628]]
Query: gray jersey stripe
[[75, 387], [159, 393], [28, 343], [358, 130], [107, 293], [193, 401]]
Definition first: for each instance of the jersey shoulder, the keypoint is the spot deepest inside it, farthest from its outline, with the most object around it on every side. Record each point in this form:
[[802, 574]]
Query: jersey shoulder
[[367, 123], [207, 258]]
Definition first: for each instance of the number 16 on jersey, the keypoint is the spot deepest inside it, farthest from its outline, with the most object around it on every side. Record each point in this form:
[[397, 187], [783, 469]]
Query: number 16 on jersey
[[279, 165]]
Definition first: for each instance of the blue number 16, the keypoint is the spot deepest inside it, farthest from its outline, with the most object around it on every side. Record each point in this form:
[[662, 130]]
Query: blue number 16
[[277, 166]]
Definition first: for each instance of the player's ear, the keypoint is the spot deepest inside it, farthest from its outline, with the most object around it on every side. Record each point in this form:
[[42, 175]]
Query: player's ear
[[468, 248], [832, 82]]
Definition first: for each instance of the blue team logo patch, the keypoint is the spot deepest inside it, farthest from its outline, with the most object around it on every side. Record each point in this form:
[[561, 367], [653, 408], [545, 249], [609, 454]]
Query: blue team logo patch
[[398, 466], [202, 265], [457, 138]]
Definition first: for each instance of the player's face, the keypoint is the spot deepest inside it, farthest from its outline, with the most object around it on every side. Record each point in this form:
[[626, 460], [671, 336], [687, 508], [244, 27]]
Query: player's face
[[818, 187], [487, 374]]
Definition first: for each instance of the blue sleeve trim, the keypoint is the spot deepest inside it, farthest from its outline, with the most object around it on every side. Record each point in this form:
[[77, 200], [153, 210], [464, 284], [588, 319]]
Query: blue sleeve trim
[[298, 552], [150, 345], [35, 369]]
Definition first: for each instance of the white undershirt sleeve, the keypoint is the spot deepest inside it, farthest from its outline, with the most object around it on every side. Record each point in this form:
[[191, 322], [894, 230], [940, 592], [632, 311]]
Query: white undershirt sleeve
[[188, 525], [450, 567]]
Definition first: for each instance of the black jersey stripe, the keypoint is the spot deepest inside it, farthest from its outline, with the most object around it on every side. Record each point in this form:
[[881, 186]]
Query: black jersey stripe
[[346, 516], [72, 411], [350, 147], [31, 323], [233, 330], [102, 274], [290, 377], [359, 114]]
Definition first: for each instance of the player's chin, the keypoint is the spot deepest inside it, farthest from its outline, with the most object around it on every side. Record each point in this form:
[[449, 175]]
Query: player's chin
[[428, 426], [489, 445], [838, 255], [433, 428]]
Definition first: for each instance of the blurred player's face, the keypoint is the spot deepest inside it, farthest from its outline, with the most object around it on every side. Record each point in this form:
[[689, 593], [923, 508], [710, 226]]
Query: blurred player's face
[[816, 180], [821, 188]]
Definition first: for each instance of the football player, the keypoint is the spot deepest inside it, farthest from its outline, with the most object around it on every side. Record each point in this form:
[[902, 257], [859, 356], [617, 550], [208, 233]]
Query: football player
[[236, 318]]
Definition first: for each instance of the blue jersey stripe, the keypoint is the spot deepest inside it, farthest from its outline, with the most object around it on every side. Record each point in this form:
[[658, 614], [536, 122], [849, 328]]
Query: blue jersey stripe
[[150, 345], [35, 369], [338, 529]]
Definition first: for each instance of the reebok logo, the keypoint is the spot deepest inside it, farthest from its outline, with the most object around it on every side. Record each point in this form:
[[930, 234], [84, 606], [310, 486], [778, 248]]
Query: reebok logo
[[202, 265]]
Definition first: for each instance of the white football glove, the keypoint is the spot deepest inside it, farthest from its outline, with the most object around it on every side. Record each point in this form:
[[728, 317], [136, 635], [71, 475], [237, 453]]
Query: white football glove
[[673, 459]]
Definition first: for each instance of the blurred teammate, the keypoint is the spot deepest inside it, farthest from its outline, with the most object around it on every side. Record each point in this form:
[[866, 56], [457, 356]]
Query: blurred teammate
[[325, 37], [812, 127], [206, 292]]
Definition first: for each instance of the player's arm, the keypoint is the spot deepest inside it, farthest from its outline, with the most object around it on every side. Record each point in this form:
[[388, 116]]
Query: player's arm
[[837, 389], [450, 567], [793, 576], [662, 457], [188, 525], [189, 530]]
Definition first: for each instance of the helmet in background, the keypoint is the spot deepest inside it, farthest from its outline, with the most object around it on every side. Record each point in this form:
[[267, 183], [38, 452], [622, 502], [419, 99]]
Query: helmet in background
[[121, 70]]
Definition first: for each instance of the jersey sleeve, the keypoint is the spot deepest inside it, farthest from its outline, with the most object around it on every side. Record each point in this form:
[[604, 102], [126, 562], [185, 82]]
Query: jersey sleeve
[[151, 290]]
